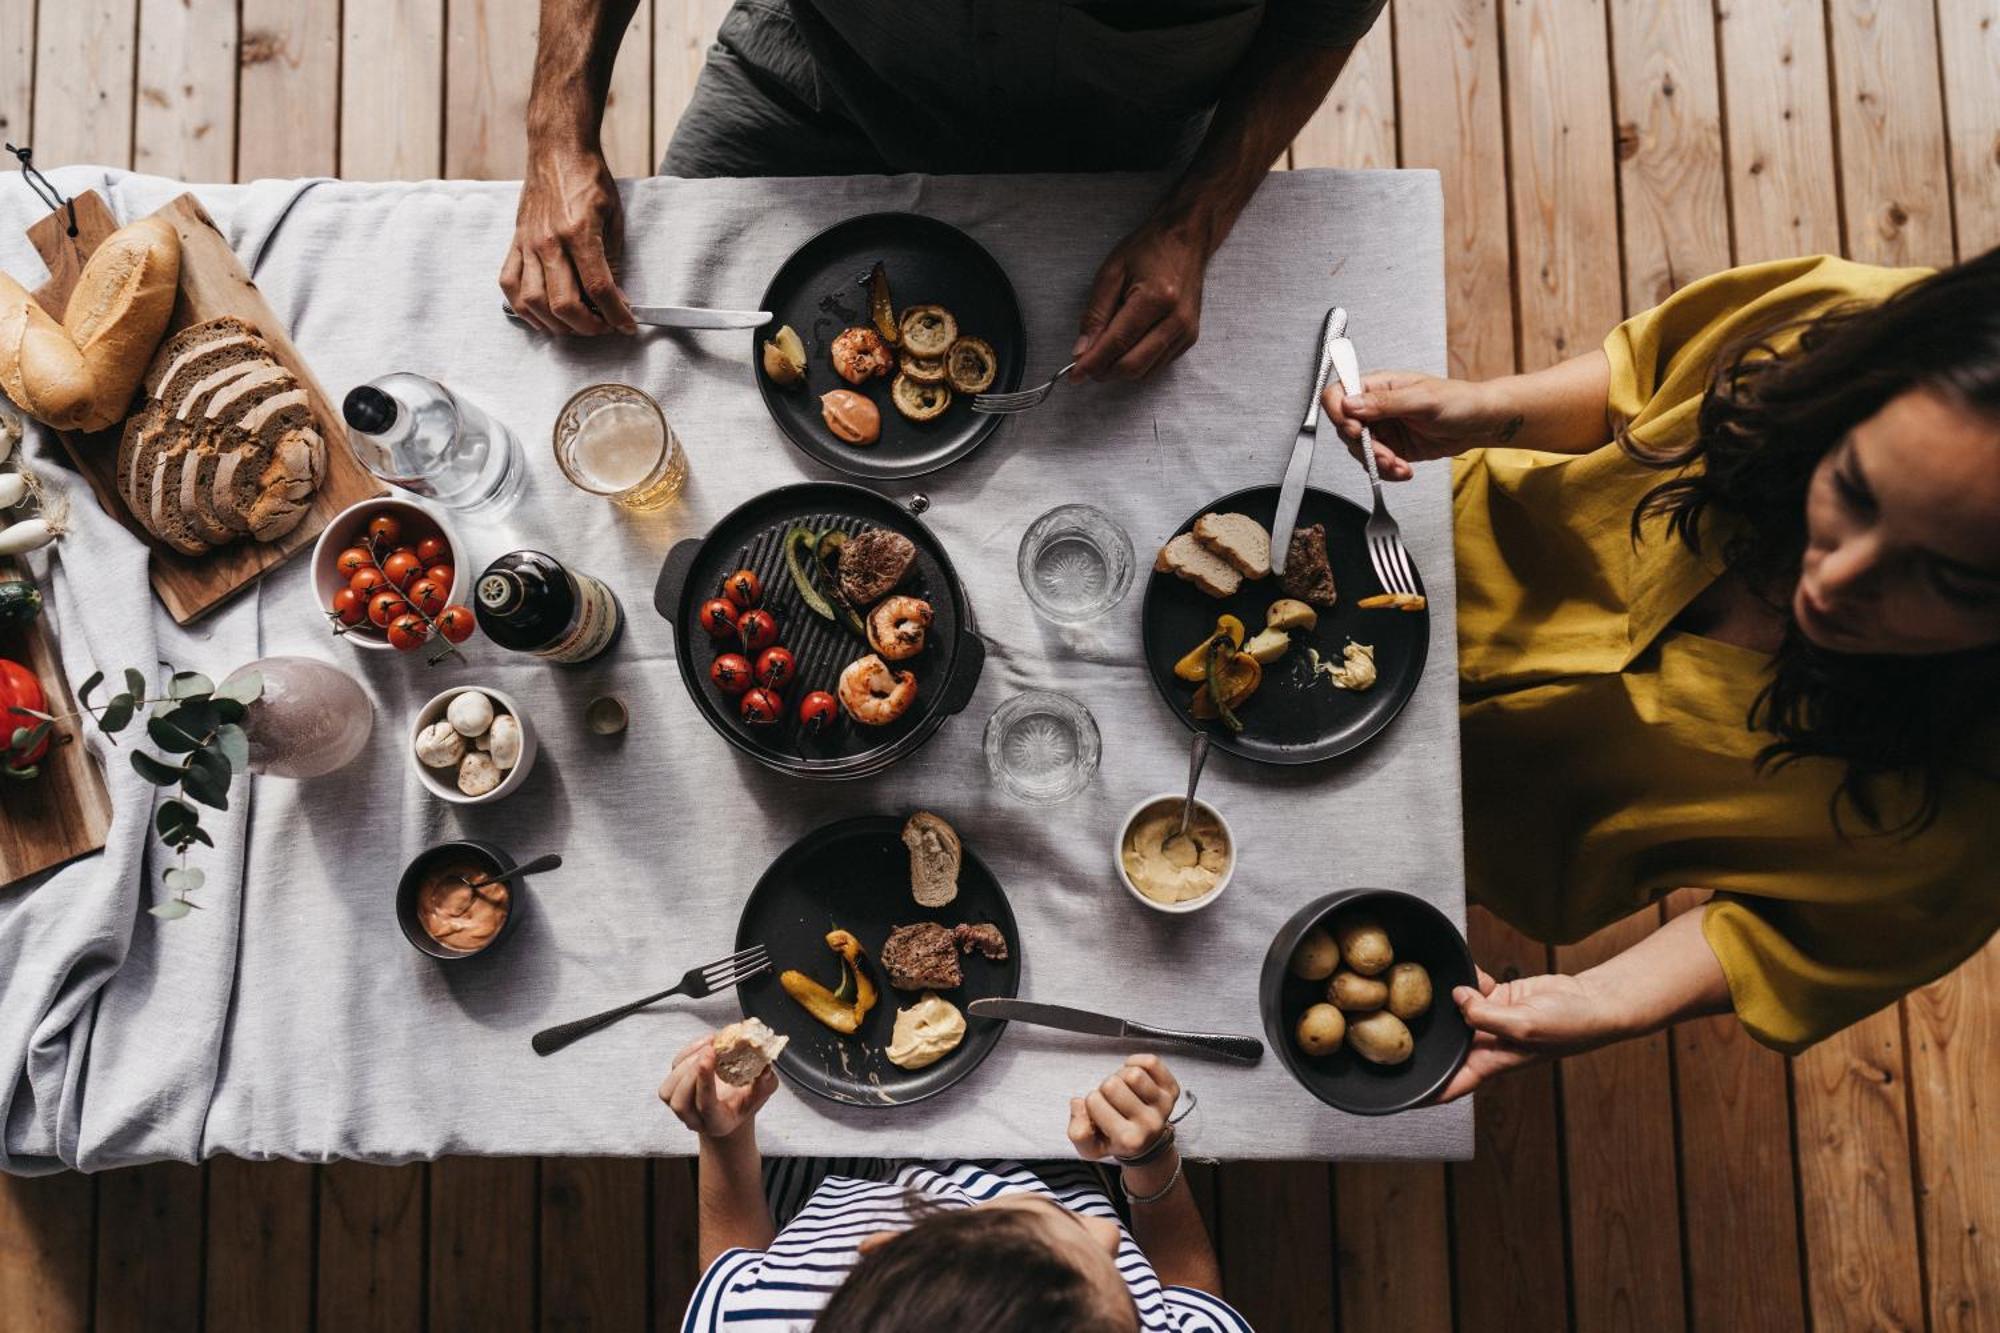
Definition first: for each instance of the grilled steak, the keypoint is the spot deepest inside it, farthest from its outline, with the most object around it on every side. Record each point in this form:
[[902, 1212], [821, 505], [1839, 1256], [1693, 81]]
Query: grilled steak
[[1307, 575], [921, 957], [872, 563], [983, 939]]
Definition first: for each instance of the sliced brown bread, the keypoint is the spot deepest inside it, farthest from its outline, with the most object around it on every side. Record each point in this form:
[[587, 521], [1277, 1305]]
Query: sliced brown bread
[[186, 360], [1239, 539], [1187, 558], [935, 854], [264, 483], [215, 432]]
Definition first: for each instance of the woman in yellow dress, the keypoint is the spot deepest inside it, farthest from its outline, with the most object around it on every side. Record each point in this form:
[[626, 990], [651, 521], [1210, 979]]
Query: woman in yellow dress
[[1728, 619]]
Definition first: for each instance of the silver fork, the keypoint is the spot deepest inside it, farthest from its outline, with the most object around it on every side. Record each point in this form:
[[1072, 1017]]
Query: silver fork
[[1385, 540], [699, 983], [1006, 404]]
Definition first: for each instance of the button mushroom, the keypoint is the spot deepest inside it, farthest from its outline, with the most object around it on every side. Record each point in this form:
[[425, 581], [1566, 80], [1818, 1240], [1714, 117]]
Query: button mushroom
[[503, 742], [440, 746], [470, 712], [478, 774]]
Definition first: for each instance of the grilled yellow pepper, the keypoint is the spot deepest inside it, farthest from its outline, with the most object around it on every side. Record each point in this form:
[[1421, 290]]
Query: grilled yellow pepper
[[842, 1009]]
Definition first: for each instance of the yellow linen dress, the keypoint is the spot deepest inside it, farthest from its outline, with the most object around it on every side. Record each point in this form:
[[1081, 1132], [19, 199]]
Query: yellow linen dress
[[1608, 757]]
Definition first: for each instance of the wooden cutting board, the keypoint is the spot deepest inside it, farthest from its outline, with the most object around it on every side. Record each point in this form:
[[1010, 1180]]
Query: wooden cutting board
[[213, 284]]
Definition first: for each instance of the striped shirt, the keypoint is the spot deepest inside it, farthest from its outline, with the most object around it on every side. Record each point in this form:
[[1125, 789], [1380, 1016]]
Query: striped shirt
[[783, 1289]]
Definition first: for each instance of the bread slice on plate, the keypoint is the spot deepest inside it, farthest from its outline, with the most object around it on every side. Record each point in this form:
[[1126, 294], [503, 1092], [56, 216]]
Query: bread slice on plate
[[935, 856], [746, 1049], [1239, 539], [1185, 557]]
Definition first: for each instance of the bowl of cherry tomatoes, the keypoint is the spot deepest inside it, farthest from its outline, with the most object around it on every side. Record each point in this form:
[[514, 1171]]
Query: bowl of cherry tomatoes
[[387, 575]]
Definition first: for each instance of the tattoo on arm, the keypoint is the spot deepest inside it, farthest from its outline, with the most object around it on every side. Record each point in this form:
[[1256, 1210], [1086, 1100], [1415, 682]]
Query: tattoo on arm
[[1512, 428]]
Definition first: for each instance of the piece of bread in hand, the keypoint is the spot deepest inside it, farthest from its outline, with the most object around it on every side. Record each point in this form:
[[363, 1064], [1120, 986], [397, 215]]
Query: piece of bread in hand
[[1239, 539], [80, 374], [935, 854], [746, 1049], [1187, 558]]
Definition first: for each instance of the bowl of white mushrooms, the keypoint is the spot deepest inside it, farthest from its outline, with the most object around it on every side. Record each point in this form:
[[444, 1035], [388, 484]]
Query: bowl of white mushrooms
[[471, 744]]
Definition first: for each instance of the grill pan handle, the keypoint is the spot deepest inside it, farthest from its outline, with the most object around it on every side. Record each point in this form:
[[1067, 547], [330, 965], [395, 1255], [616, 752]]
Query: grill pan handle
[[673, 577], [964, 680]]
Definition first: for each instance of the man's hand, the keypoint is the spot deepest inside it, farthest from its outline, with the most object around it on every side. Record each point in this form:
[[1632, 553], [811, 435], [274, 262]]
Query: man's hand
[[1145, 306], [1528, 1020], [567, 234], [705, 1104]]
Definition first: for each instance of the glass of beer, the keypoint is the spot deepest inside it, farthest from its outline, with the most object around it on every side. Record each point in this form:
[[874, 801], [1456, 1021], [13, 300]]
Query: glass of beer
[[613, 440]]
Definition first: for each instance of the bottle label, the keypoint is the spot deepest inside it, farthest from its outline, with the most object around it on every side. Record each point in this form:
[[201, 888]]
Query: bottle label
[[592, 627]]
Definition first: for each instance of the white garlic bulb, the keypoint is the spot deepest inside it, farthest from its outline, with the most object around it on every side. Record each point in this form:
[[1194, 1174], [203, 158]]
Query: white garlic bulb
[[478, 774], [504, 741], [440, 746], [471, 712]]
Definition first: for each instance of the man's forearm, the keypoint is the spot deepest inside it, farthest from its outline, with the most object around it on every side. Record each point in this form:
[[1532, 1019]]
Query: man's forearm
[[573, 58], [731, 1208]]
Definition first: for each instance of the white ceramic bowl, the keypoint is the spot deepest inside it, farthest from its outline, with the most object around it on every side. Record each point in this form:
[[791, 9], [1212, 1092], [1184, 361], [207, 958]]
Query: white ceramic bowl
[[443, 782], [348, 528], [1173, 799]]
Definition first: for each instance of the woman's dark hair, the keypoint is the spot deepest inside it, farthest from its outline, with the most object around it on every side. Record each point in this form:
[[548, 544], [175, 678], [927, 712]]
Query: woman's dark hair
[[976, 1270], [1765, 423]]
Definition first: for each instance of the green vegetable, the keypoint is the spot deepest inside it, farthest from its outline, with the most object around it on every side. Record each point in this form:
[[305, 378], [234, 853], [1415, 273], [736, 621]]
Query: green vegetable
[[802, 539], [830, 544], [1218, 649], [19, 602]]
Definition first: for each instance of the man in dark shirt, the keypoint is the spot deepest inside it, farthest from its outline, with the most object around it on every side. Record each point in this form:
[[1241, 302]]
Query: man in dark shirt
[[1215, 88]]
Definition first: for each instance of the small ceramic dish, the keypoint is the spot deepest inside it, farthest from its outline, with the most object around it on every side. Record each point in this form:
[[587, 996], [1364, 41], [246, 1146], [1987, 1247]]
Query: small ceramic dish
[[443, 782], [350, 528], [1172, 802], [491, 860]]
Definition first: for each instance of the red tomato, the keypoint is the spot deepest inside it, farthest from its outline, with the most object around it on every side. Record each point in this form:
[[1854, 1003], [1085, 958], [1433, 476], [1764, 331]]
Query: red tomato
[[455, 623], [775, 666], [367, 581], [428, 595], [407, 632], [718, 617], [385, 606], [817, 711], [384, 530], [744, 588], [758, 630], [432, 551], [442, 573], [353, 560], [402, 567], [20, 689], [731, 673], [760, 707], [349, 606]]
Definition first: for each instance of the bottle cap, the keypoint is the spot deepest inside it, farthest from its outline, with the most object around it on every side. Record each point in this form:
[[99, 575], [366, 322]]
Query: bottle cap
[[369, 410], [499, 591]]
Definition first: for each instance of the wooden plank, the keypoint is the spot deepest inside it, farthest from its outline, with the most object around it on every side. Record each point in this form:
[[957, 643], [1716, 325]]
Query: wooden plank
[[593, 1243], [149, 1241], [1674, 217], [1859, 1216], [1356, 125], [1969, 41], [1779, 128], [628, 112], [1890, 130], [1565, 193], [1954, 1046], [676, 1256], [17, 72], [83, 82], [289, 90], [371, 1247], [46, 1230], [1618, 1146], [490, 51], [1391, 1248], [1507, 1202], [683, 30], [1279, 1273], [1448, 58], [482, 1244], [260, 1251], [391, 89], [185, 121], [1736, 1173]]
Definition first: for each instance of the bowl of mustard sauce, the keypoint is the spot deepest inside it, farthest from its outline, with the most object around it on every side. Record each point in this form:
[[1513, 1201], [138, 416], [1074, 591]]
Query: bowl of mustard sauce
[[451, 904], [1168, 871]]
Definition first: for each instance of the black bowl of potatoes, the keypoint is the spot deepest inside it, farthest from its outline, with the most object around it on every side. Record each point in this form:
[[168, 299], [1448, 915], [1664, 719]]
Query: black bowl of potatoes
[[1356, 997]]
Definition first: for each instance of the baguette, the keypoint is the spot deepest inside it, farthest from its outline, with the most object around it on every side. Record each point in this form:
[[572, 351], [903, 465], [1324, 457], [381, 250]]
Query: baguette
[[80, 374], [935, 856]]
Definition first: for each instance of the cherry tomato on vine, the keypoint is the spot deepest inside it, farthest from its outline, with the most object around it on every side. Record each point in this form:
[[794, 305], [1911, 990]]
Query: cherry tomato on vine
[[718, 617], [366, 582], [407, 632], [432, 551], [402, 567], [730, 673], [760, 706], [385, 606], [384, 530], [744, 588], [758, 630], [428, 595], [442, 573], [348, 605], [353, 560], [775, 666], [456, 623], [817, 711]]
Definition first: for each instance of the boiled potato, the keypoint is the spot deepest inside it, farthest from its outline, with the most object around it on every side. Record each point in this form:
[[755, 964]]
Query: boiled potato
[[1364, 945], [1355, 993], [1409, 990], [1320, 1029], [1290, 613], [1316, 956], [1380, 1038]]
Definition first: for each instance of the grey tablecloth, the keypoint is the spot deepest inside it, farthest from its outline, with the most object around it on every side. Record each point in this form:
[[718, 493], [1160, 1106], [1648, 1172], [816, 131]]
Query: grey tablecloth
[[290, 1018]]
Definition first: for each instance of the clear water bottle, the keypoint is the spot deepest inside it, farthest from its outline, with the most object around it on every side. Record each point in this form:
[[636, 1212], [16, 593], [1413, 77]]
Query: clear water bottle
[[414, 433]]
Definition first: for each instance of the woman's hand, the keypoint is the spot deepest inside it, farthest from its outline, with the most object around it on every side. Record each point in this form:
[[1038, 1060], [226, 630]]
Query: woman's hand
[[1528, 1020], [1415, 417], [567, 233], [1127, 1113], [705, 1104]]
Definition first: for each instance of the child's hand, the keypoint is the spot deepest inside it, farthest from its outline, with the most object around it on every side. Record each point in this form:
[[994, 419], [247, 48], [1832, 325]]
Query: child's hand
[[704, 1103], [1127, 1113]]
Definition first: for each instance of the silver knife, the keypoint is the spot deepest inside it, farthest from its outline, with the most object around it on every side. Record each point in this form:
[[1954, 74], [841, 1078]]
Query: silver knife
[[683, 317], [1294, 489], [1247, 1049]]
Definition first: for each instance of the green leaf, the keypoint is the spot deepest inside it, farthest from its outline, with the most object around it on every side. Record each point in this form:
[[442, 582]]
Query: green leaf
[[95, 679], [135, 683], [19, 740], [244, 687], [169, 736], [189, 685], [171, 910], [155, 772], [37, 736], [116, 714], [196, 717], [174, 815], [207, 779], [234, 743], [184, 879], [199, 835], [226, 710]]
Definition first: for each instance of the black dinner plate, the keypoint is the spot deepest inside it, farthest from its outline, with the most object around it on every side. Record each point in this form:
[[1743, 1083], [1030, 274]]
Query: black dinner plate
[[821, 290], [1292, 718], [855, 875]]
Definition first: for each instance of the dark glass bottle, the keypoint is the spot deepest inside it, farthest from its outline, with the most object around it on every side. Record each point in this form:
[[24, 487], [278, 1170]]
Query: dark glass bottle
[[528, 602]]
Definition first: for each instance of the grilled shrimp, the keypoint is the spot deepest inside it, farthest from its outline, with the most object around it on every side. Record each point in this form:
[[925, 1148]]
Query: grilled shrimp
[[896, 627], [873, 695]]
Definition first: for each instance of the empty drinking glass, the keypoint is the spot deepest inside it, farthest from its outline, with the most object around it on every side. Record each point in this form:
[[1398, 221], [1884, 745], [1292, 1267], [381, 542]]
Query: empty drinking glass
[[1042, 747], [1075, 563]]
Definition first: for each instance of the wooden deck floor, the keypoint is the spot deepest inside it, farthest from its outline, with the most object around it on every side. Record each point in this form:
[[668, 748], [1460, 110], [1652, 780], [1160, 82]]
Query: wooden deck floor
[[1596, 155]]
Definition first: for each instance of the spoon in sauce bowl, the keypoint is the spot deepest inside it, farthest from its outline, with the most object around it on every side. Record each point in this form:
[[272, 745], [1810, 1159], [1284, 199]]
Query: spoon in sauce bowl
[[1197, 756], [534, 867]]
